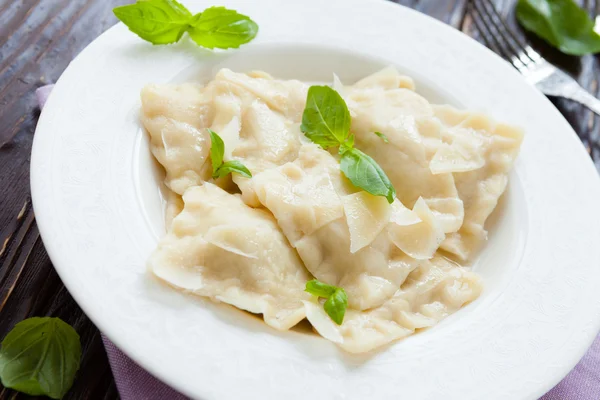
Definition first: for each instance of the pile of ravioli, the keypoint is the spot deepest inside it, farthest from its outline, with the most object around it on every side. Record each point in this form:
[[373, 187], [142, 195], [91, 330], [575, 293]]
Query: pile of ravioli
[[255, 242]]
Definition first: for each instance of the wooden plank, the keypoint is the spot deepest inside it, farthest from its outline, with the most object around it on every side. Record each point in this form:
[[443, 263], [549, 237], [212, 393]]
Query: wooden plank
[[38, 38], [37, 41]]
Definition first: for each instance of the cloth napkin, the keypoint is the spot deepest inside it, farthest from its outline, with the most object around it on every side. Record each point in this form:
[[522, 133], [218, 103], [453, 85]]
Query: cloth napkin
[[135, 383]]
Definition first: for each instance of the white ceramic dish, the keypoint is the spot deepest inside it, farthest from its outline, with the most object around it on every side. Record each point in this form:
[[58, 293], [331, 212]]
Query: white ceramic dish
[[98, 206]]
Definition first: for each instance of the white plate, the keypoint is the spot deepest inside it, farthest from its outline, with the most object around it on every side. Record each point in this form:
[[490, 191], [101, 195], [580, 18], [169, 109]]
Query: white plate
[[96, 198]]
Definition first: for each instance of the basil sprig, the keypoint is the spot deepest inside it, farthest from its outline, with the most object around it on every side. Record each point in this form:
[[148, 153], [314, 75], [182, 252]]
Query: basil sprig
[[40, 356], [220, 168], [165, 21], [562, 23], [337, 300], [326, 121]]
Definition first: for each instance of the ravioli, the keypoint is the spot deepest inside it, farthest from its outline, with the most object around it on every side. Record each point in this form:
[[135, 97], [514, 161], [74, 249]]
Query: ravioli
[[255, 242], [396, 112], [434, 290], [346, 238], [218, 247], [480, 153]]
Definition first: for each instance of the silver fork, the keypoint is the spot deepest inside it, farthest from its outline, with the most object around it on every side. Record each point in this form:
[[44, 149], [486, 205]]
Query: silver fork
[[546, 77]]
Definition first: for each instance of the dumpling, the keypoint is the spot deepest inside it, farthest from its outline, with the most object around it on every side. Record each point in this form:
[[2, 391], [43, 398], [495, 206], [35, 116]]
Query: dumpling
[[286, 97], [303, 195], [220, 248], [378, 106], [481, 154], [387, 79], [370, 276], [174, 116], [434, 290], [267, 133], [341, 233]]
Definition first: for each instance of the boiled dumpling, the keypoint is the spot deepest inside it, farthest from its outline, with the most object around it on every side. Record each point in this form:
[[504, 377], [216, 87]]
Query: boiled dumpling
[[387, 79], [339, 232], [397, 112], [220, 248], [303, 195], [287, 97], [432, 291], [370, 276], [487, 152], [298, 217], [174, 116]]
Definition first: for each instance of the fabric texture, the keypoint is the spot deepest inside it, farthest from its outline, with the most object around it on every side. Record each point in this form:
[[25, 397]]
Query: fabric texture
[[135, 383]]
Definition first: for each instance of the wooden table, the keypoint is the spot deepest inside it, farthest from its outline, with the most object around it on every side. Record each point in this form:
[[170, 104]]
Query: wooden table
[[37, 41]]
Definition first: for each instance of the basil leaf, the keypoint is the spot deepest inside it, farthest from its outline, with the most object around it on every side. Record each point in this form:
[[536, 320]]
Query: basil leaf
[[217, 149], [233, 166], [40, 356], [320, 289], [366, 174], [326, 119], [222, 28], [562, 23], [337, 300], [382, 136], [336, 306], [157, 21]]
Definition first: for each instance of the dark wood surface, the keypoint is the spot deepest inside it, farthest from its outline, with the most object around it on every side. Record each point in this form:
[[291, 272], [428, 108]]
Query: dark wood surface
[[38, 38]]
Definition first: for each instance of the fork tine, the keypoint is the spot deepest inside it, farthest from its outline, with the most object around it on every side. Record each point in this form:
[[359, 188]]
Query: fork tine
[[508, 35], [493, 42]]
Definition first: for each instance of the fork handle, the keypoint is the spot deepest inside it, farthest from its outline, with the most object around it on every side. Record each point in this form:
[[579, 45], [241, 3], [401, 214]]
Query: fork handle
[[585, 98]]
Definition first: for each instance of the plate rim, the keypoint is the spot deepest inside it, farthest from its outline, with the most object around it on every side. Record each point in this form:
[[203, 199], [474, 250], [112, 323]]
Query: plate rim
[[37, 174]]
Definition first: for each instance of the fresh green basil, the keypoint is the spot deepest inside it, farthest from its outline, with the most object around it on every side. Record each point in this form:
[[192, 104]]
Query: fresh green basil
[[335, 306], [40, 356], [562, 23], [382, 136], [233, 166], [157, 21], [366, 174], [326, 119], [221, 169], [165, 21], [337, 300], [217, 150], [222, 28], [319, 288]]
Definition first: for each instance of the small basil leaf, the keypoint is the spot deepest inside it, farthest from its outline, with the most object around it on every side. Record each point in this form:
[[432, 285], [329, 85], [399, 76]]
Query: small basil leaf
[[366, 174], [336, 305], [40, 356], [231, 167], [326, 119], [382, 136], [217, 149], [157, 21], [222, 28], [320, 289], [562, 23]]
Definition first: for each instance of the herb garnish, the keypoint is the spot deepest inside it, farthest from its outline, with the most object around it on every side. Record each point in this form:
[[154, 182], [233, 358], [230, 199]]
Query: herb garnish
[[40, 356], [326, 121], [220, 168], [165, 21], [337, 300], [562, 23]]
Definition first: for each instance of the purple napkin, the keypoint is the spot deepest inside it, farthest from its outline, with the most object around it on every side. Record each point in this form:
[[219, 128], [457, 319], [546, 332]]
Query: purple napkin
[[133, 382]]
